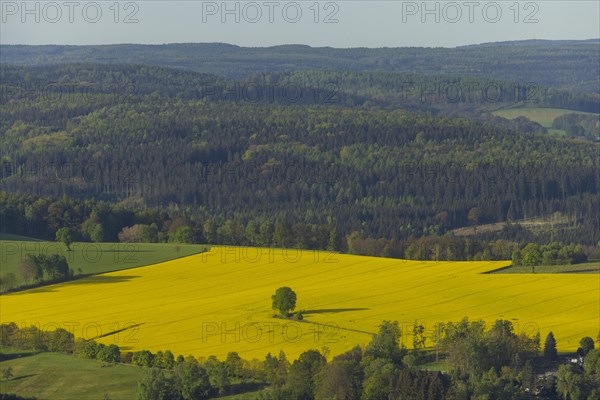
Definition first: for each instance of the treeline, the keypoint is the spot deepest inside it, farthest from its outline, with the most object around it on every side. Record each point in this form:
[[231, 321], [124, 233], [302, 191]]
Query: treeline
[[93, 220], [98, 221], [435, 248], [551, 254], [40, 269], [492, 361], [560, 232], [33, 338], [579, 125], [453, 248]]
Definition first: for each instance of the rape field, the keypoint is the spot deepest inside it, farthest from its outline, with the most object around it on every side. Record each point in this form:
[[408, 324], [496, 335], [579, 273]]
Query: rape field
[[220, 301]]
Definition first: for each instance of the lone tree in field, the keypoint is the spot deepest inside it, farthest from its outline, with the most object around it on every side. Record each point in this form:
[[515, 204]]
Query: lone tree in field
[[284, 300], [7, 373], [67, 236], [550, 353]]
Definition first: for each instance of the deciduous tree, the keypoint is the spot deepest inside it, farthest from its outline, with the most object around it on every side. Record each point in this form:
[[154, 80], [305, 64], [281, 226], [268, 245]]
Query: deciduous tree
[[284, 300], [67, 236]]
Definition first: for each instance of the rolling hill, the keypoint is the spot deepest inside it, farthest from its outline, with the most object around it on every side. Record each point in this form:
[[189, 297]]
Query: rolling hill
[[220, 301], [542, 62]]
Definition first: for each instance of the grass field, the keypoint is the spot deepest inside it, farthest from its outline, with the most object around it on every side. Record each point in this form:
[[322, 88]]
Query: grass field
[[93, 258], [584, 268], [10, 236], [54, 376], [220, 301], [534, 224], [543, 116], [244, 396]]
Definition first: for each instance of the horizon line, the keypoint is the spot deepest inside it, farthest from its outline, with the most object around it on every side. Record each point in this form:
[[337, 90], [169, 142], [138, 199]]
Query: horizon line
[[299, 44]]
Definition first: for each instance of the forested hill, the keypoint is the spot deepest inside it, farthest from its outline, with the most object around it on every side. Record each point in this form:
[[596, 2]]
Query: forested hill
[[384, 172], [450, 95], [572, 65]]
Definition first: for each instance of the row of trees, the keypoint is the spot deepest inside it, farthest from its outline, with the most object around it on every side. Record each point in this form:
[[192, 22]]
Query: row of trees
[[38, 269], [579, 125], [33, 338], [91, 220], [434, 247], [453, 248], [45, 268], [551, 254], [68, 220]]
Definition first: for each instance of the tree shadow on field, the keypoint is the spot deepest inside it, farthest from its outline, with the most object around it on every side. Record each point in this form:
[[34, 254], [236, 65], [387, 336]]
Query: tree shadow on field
[[331, 310], [582, 271], [16, 378], [82, 280], [94, 279], [238, 388], [12, 356], [131, 251]]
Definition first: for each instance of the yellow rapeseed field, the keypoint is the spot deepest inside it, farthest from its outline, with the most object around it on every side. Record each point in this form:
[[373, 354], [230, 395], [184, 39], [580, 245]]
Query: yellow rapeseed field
[[220, 301]]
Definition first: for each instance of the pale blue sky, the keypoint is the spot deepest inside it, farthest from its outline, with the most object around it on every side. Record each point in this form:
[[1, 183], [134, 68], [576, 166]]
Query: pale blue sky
[[359, 23]]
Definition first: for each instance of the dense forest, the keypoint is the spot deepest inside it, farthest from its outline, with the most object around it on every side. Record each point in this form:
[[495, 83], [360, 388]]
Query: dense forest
[[451, 95], [342, 155]]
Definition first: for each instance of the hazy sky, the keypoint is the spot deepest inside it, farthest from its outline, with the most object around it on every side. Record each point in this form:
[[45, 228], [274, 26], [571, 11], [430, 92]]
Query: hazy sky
[[317, 23]]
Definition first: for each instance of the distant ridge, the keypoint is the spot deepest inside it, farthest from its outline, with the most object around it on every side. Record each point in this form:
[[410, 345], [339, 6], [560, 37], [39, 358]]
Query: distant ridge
[[542, 62], [533, 42]]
